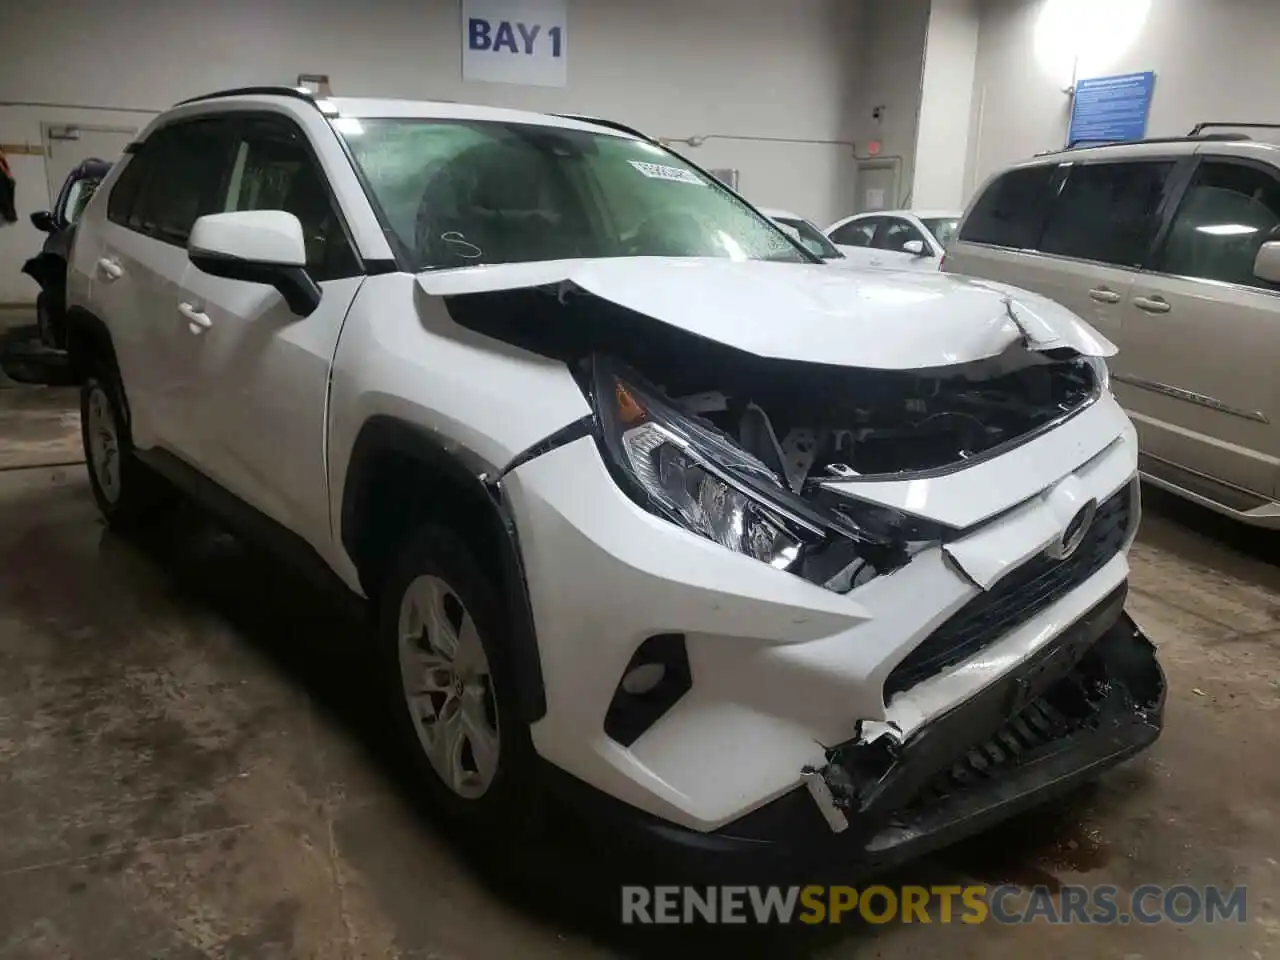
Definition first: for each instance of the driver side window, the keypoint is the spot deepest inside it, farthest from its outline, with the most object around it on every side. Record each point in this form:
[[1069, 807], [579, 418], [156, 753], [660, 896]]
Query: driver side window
[[894, 234], [857, 233], [272, 169]]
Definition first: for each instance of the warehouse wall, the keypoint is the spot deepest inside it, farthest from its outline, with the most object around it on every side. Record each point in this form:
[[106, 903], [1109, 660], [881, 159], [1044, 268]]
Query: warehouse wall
[[890, 78], [1213, 59], [676, 68]]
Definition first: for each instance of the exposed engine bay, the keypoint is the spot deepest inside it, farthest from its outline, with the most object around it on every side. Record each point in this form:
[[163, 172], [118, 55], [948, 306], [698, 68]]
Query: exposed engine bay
[[777, 431], [849, 423]]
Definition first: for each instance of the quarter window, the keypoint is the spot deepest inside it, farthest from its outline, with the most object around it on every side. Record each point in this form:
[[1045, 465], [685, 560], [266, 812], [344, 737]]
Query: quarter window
[[857, 233], [1107, 212], [1010, 211], [1228, 212]]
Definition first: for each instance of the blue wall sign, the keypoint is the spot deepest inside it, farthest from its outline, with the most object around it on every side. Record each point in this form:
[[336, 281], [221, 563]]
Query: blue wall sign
[[515, 41], [1107, 109]]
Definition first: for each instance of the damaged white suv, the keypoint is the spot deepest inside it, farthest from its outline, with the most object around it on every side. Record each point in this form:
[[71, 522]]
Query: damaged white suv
[[760, 562]]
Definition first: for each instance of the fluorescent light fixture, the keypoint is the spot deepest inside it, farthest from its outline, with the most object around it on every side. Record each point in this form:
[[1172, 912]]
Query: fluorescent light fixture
[[1227, 229], [348, 125]]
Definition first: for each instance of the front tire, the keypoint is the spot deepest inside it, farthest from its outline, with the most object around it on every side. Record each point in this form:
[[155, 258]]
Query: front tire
[[443, 643], [127, 493]]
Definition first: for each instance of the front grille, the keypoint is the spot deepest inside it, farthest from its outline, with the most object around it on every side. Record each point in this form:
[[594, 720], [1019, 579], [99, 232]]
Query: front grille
[[1016, 598]]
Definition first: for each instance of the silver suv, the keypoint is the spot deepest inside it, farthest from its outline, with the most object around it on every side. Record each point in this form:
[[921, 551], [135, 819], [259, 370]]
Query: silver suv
[[1170, 248]]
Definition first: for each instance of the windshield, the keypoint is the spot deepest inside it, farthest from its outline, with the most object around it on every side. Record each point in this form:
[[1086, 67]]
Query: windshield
[[806, 233], [458, 193], [944, 228]]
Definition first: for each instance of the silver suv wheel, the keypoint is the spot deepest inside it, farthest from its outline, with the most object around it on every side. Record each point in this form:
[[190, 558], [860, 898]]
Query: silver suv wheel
[[103, 437], [448, 690]]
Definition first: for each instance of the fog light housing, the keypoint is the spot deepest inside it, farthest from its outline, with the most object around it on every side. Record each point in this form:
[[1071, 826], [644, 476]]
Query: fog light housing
[[655, 678], [643, 679]]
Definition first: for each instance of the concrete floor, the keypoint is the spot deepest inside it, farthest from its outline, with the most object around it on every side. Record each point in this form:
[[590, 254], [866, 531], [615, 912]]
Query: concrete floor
[[191, 763]]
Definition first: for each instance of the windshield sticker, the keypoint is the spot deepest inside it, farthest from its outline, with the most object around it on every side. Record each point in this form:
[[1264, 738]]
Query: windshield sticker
[[660, 171]]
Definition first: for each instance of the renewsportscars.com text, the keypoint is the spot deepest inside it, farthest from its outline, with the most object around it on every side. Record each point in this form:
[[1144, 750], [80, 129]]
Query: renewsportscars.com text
[[973, 904]]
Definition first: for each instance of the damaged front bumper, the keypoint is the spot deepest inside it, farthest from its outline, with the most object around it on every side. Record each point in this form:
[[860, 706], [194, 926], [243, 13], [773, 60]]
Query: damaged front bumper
[[1089, 700]]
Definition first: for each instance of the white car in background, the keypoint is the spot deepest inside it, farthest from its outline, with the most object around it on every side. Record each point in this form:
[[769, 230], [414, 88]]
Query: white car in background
[[895, 239], [806, 233]]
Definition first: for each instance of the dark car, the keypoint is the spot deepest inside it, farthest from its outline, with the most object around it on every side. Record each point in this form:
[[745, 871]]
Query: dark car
[[49, 267]]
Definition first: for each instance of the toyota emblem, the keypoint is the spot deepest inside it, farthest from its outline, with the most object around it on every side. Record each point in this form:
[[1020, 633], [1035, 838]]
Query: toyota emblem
[[1074, 532]]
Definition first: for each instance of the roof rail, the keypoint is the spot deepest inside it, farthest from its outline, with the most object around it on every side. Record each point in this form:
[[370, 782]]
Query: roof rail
[[1199, 127], [1090, 144], [297, 93], [611, 124]]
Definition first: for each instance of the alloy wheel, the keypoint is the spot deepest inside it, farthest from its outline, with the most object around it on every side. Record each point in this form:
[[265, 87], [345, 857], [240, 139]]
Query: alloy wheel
[[104, 444], [447, 687]]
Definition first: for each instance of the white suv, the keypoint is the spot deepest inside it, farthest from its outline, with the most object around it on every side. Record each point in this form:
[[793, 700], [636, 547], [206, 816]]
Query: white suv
[[757, 560]]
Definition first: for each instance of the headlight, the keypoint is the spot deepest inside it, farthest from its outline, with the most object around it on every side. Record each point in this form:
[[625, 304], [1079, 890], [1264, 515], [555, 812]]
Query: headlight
[[1101, 373], [694, 475]]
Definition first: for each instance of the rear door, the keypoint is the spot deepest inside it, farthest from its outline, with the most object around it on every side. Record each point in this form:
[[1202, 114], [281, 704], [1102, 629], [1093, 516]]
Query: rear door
[[1202, 342], [138, 258], [853, 237], [187, 167]]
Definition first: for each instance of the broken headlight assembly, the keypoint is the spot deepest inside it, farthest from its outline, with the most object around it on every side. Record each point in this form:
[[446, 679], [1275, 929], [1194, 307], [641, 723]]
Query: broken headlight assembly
[[690, 473]]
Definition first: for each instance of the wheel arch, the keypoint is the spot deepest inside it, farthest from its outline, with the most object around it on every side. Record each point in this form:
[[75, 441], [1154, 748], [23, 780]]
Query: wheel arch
[[399, 476], [88, 342]]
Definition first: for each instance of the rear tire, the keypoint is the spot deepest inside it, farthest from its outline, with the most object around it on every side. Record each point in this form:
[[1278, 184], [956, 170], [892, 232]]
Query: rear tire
[[128, 494], [443, 645]]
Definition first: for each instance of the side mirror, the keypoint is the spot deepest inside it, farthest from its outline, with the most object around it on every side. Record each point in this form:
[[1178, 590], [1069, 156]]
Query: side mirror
[[257, 246], [1266, 265], [43, 221], [915, 248]]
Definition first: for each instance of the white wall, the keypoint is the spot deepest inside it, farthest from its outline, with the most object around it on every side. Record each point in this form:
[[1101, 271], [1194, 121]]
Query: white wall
[[675, 68], [894, 32], [1213, 59], [946, 100]]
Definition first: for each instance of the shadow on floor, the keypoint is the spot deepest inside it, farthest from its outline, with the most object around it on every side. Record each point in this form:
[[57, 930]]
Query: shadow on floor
[[560, 875]]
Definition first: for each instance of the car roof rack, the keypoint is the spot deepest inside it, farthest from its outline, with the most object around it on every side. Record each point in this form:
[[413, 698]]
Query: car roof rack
[[611, 124], [1199, 128], [1092, 144], [297, 93]]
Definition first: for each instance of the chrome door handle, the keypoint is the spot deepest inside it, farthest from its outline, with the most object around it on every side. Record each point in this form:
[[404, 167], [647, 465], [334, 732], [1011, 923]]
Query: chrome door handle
[[1103, 295], [110, 269], [195, 317], [1152, 304]]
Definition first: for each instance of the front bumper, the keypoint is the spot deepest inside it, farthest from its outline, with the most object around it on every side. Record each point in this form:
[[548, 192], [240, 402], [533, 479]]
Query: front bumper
[[779, 667], [1089, 700]]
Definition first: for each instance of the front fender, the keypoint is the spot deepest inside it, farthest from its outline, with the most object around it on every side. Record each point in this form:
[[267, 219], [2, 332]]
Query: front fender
[[46, 269]]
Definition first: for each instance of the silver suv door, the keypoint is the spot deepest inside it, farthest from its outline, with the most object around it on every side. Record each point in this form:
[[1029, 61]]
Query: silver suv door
[[1202, 336], [1096, 235]]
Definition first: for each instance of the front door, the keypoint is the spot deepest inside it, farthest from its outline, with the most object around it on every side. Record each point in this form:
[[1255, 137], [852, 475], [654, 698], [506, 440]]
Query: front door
[[854, 239], [1202, 341], [255, 376], [890, 243]]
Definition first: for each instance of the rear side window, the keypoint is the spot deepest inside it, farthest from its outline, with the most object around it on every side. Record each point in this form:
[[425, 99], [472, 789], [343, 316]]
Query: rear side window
[[127, 188], [189, 164], [1107, 212], [1010, 210], [858, 233], [1228, 212]]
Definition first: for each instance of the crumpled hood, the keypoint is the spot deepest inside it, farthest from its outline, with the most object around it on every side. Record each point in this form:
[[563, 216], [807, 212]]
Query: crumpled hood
[[893, 320]]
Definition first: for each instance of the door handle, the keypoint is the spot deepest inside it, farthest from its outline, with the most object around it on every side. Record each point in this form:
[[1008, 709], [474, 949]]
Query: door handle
[[1103, 295], [110, 269], [1152, 304], [196, 318]]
